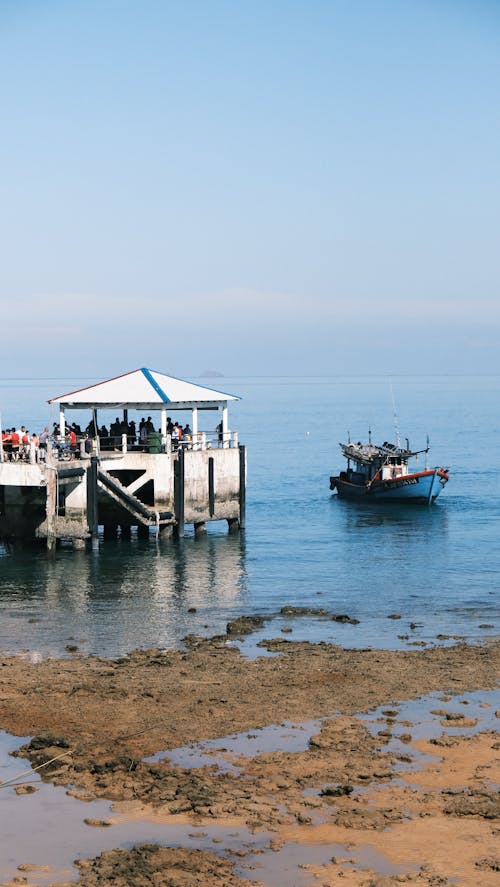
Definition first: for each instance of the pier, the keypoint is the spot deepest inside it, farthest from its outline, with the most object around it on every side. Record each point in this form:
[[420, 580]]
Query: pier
[[154, 482]]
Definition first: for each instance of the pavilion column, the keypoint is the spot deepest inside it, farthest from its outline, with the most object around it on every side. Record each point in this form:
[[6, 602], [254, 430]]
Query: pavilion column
[[225, 438], [62, 423], [165, 441], [194, 423]]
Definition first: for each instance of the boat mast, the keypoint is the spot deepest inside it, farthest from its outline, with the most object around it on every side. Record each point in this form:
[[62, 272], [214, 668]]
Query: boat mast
[[396, 424]]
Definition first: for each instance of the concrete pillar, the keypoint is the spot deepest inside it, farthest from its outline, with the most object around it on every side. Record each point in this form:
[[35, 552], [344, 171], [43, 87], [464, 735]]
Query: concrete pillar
[[51, 502], [225, 430], [92, 503], [194, 422], [211, 486], [243, 486], [62, 423], [179, 492]]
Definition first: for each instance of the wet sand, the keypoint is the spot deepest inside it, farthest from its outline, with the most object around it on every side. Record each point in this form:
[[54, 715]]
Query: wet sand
[[343, 801]]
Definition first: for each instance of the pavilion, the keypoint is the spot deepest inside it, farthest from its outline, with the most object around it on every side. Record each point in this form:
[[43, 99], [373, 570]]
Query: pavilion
[[146, 390]]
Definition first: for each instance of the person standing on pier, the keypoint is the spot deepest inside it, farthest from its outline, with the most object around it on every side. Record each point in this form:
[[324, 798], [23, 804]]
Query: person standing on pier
[[15, 443], [43, 443]]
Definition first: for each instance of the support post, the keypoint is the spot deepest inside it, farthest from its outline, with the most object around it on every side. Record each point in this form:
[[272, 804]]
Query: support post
[[62, 424], [243, 485], [211, 486], [179, 492], [164, 437], [51, 503], [92, 503]]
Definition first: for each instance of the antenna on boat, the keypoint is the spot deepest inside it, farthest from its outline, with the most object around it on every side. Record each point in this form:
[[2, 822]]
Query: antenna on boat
[[348, 437], [396, 425], [369, 435]]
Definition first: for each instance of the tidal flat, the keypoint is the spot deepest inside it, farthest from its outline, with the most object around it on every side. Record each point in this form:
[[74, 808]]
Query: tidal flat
[[373, 792]]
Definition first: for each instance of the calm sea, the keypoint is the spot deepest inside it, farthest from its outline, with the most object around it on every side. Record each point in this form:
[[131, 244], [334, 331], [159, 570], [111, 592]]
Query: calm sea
[[437, 567]]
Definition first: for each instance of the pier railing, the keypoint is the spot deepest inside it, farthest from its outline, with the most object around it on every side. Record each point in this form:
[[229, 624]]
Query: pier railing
[[157, 443], [85, 447]]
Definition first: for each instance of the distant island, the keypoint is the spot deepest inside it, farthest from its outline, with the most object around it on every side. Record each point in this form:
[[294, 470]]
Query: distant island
[[211, 374]]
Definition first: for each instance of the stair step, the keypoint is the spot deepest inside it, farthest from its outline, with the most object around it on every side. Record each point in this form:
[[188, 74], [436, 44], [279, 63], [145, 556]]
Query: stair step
[[117, 491]]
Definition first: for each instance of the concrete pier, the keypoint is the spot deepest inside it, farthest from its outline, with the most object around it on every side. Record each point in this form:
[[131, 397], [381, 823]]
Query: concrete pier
[[161, 479], [159, 492]]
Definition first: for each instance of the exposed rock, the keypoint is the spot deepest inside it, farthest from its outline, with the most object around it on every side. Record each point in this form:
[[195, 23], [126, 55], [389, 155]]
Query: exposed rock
[[245, 625]]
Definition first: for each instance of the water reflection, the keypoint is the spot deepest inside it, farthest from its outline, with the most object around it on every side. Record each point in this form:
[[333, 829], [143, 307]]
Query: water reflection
[[131, 593], [406, 519]]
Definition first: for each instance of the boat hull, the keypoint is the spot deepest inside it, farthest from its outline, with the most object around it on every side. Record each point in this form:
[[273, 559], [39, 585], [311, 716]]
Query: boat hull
[[422, 486]]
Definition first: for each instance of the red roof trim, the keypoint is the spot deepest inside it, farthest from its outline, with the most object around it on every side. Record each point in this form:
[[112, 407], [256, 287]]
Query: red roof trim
[[96, 385]]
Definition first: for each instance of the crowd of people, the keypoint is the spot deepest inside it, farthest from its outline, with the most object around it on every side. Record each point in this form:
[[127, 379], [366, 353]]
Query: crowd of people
[[19, 445], [137, 436]]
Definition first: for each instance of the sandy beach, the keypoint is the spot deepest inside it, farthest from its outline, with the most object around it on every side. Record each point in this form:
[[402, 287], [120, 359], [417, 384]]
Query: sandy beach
[[96, 720]]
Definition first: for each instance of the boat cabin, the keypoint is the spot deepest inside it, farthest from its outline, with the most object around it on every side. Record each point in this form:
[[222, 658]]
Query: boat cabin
[[372, 462]]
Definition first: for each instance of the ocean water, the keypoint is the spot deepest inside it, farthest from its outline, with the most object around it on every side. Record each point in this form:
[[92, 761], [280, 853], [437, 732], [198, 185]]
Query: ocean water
[[437, 568]]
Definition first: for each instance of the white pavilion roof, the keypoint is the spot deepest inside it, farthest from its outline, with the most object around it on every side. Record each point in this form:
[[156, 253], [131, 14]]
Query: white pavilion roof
[[143, 389]]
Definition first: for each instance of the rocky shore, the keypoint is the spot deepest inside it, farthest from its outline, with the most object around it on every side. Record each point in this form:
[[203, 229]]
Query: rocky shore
[[94, 721]]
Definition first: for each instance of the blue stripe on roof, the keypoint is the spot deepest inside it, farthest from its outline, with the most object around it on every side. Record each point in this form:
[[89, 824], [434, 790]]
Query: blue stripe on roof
[[155, 385]]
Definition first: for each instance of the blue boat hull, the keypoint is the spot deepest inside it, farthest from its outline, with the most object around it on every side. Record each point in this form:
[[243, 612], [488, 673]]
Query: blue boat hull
[[423, 486]]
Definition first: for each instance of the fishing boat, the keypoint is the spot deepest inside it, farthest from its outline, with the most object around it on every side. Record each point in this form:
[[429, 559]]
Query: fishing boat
[[383, 473]]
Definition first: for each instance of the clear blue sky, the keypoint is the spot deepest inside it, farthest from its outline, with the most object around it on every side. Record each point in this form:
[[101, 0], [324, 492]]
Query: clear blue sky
[[252, 187]]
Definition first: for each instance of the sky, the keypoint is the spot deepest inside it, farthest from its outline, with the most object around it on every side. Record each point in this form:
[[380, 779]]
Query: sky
[[265, 187]]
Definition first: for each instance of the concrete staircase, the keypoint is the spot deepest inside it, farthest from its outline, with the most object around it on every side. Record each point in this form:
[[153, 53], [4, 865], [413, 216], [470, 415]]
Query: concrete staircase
[[141, 513]]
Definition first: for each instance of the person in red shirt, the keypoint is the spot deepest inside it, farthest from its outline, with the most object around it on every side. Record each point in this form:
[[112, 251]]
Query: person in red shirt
[[72, 441], [6, 445], [14, 443]]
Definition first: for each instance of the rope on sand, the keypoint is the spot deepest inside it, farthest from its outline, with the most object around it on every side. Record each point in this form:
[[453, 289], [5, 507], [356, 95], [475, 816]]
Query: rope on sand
[[14, 779]]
